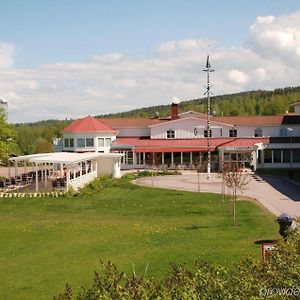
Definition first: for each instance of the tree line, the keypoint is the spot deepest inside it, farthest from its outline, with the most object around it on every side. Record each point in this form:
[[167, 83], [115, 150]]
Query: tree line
[[252, 103], [37, 137]]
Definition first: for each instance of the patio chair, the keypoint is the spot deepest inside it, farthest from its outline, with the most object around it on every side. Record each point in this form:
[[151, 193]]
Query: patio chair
[[18, 180], [24, 178], [54, 183], [2, 184], [29, 178], [62, 182]]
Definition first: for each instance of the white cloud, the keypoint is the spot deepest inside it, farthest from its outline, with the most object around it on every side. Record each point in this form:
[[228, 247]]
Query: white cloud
[[116, 82], [277, 37], [6, 55], [238, 77]]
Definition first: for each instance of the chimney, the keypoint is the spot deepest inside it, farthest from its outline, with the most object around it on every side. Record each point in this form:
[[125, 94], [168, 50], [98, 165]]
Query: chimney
[[174, 112]]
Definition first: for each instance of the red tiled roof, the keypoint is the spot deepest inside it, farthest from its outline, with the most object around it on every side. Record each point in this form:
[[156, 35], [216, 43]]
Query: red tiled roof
[[250, 120], [244, 142], [87, 124], [184, 145], [166, 149], [152, 144]]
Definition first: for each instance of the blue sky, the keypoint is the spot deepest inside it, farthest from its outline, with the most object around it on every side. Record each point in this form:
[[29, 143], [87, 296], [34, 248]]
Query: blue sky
[[111, 56], [62, 31]]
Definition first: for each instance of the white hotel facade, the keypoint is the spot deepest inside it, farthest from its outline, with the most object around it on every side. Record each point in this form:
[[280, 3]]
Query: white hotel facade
[[180, 141]]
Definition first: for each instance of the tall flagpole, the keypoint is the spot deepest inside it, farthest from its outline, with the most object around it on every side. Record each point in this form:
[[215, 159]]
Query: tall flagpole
[[208, 70]]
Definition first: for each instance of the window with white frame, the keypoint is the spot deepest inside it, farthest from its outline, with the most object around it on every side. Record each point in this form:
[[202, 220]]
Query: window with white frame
[[170, 134], [89, 142], [71, 143], [107, 142], [81, 143], [100, 142], [233, 132], [258, 132], [67, 143]]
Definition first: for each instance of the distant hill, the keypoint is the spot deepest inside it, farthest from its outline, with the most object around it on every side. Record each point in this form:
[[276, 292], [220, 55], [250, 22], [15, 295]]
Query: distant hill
[[251, 103], [37, 137]]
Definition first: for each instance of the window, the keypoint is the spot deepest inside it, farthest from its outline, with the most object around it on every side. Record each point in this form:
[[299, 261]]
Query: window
[[296, 155], [226, 157], [258, 132], [81, 143], [206, 133], [100, 142], [259, 158], [233, 156], [232, 133], [71, 143], [170, 134], [277, 156], [284, 131], [107, 142], [286, 155], [67, 143], [89, 142], [267, 155]]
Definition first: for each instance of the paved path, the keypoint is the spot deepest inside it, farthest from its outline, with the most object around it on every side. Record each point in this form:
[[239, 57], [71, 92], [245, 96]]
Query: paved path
[[278, 195]]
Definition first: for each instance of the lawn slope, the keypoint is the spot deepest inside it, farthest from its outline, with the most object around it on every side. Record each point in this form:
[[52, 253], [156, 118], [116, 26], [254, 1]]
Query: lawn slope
[[46, 242]]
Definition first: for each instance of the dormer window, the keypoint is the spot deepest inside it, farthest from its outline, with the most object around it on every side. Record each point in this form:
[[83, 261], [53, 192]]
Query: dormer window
[[258, 132], [170, 134], [233, 132]]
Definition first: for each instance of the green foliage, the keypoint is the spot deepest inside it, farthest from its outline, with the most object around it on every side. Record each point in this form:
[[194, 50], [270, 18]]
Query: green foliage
[[148, 173], [251, 279], [251, 103], [103, 183], [7, 138], [43, 146], [38, 137]]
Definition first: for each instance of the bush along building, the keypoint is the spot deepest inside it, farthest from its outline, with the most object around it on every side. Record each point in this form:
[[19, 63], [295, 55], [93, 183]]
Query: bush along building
[[181, 140]]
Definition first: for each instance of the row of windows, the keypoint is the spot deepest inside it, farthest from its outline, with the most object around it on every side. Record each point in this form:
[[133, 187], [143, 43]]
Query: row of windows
[[87, 142], [232, 133], [280, 156]]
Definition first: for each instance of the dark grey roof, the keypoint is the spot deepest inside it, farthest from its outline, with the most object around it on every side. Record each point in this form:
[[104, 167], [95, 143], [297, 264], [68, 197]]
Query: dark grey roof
[[290, 119]]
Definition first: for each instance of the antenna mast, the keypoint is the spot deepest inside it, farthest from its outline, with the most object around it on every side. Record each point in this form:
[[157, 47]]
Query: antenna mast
[[208, 70]]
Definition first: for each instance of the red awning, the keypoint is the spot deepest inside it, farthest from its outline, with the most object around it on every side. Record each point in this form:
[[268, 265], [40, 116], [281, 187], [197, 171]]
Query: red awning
[[155, 150]]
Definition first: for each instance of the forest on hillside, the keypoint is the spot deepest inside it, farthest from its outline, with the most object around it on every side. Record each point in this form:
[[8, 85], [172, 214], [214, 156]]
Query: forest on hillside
[[37, 137], [252, 103]]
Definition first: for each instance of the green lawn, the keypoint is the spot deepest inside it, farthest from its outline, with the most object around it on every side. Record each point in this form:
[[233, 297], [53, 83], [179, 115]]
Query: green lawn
[[46, 242]]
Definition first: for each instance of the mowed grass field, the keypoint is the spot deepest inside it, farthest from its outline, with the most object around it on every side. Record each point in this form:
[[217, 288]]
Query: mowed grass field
[[46, 242]]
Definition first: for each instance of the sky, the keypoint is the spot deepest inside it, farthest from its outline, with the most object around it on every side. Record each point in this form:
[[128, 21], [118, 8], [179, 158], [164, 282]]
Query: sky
[[69, 58]]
